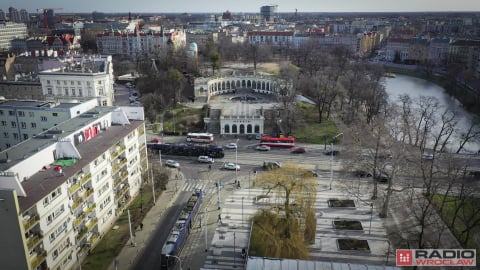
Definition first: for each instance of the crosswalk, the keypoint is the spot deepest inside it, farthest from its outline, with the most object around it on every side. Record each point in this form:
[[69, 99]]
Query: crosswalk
[[208, 187]]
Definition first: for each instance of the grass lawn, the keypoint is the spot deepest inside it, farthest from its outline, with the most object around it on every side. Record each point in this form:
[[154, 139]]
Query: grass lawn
[[341, 203], [347, 225], [353, 244], [309, 130], [184, 118], [114, 240]]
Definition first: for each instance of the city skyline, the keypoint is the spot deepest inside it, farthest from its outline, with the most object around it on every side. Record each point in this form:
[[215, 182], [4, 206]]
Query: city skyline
[[247, 6]]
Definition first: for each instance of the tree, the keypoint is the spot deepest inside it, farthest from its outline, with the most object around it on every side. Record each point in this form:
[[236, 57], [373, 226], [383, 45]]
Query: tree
[[294, 192], [215, 59]]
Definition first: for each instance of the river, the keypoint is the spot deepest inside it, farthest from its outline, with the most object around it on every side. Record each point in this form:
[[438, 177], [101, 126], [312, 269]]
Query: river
[[415, 87]]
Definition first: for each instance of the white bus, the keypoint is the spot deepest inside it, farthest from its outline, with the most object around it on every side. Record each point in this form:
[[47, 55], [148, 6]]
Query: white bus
[[200, 137]]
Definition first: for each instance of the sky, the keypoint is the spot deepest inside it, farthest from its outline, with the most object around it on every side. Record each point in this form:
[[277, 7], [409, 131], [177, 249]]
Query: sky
[[239, 6]]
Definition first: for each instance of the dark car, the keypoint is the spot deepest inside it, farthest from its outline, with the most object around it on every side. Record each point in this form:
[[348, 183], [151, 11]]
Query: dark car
[[299, 150], [332, 152], [362, 173], [382, 177]]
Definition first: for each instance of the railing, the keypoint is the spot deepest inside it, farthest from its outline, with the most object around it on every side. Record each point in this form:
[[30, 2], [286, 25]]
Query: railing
[[32, 221], [74, 188], [76, 203], [81, 234], [91, 223], [94, 237], [37, 260], [79, 220], [86, 178], [90, 208], [88, 193], [33, 241]]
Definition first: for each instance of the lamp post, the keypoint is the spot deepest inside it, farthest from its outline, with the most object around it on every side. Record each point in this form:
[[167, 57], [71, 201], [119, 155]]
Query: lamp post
[[242, 210], [331, 166], [236, 161], [371, 215], [234, 254], [177, 258], [218, 195]]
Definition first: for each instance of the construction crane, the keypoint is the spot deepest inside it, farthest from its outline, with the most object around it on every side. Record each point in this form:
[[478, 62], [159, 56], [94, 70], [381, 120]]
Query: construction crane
[[45, 17]]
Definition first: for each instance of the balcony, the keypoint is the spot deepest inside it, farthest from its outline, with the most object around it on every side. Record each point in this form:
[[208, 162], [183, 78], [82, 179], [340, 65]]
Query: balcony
[[91, 223], [74, 188], [33, 240], [88, 193], [90, 208], [76, 203], [79, 220], [30, 222], [81, 234], [37, 258], [86, 178], [94, 237], [117, 152]]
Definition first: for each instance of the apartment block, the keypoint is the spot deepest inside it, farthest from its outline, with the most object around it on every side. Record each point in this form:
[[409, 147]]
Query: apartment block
[[10, 31], [64, 189]]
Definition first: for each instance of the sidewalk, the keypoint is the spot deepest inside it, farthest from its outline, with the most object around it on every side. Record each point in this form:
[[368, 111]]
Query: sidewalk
[[129, 253]]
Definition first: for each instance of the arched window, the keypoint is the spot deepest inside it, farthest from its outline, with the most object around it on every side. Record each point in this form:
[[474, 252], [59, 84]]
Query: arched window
[[234, 129], [257, 129], [242, 129], [227, 128], [249, 129]]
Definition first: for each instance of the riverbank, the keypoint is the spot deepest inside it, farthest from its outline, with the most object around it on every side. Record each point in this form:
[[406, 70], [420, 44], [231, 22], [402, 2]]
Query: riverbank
[[469, 98]]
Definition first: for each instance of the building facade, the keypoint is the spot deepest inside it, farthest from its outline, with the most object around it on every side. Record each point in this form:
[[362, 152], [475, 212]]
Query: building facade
[[63, 190], [80, 79], [21, 120], [10, 31]]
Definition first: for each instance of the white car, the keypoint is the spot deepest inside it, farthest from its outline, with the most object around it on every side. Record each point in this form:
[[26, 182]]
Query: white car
[[172, 163], [231, 145], [231, 166], [262, 148], [205, 159]]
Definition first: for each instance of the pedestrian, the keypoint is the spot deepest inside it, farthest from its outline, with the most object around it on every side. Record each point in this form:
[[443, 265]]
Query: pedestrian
[[219, 220], [141, 226], [209, 166]]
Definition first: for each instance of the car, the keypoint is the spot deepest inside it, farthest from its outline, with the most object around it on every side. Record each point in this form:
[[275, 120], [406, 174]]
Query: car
[[172, 163], [299, 150], [231, 145], [270, 165], [427, 156], [382, 177], [313, 173], [205, 159], [258, 136], [262, 148], [332, 152], [249, 136], [362, 173], [231, 166]]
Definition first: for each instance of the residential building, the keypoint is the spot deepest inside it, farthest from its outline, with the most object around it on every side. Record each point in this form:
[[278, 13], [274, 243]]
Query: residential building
[[64, 189], [80, 79], [275, 38], [438, 51], [21, 120], [397, 48], [139, 44], [21, 89], [10, 31], [465, 52]]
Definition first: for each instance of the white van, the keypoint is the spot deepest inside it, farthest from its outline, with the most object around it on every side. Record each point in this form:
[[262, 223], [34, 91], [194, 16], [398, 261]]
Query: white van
[[205, 159]]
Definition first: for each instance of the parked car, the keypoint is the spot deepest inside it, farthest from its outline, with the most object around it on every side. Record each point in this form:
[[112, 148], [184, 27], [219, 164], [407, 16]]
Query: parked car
[[231, 166], [205, 159], [231, 145], [382, 177], [427, 156], [332, 152], [270, 165], [262, 148], [249, 136], [258, 136], [172, 163], [313, 173], [299, 150], [362, 173]]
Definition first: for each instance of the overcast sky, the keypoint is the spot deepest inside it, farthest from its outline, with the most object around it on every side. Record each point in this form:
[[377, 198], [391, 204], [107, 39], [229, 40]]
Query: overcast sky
[[238, 6]]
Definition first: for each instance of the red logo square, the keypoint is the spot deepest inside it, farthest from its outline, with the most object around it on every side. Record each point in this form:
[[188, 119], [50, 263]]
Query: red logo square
[[404, 257]]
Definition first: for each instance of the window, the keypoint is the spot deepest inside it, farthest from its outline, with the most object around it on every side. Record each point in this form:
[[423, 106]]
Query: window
[[58, 82], [79, 83], [48, 81], [66, 91], [23, 124], [5, 134], [31, 114], [72, 83], [15, 136], [79, 92], [21, 113], [73, 91], [25, 136], [14, 124], [4, 123], [34, 125], [11, 113], [43, 118], [54, 114], [1, 112]]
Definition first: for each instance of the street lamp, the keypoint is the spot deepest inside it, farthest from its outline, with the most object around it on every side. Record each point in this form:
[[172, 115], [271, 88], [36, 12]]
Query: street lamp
[[234, 254], [236, 161], [176, 257], [242, 210], [371, 215], [331, 166], [218, 195]]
